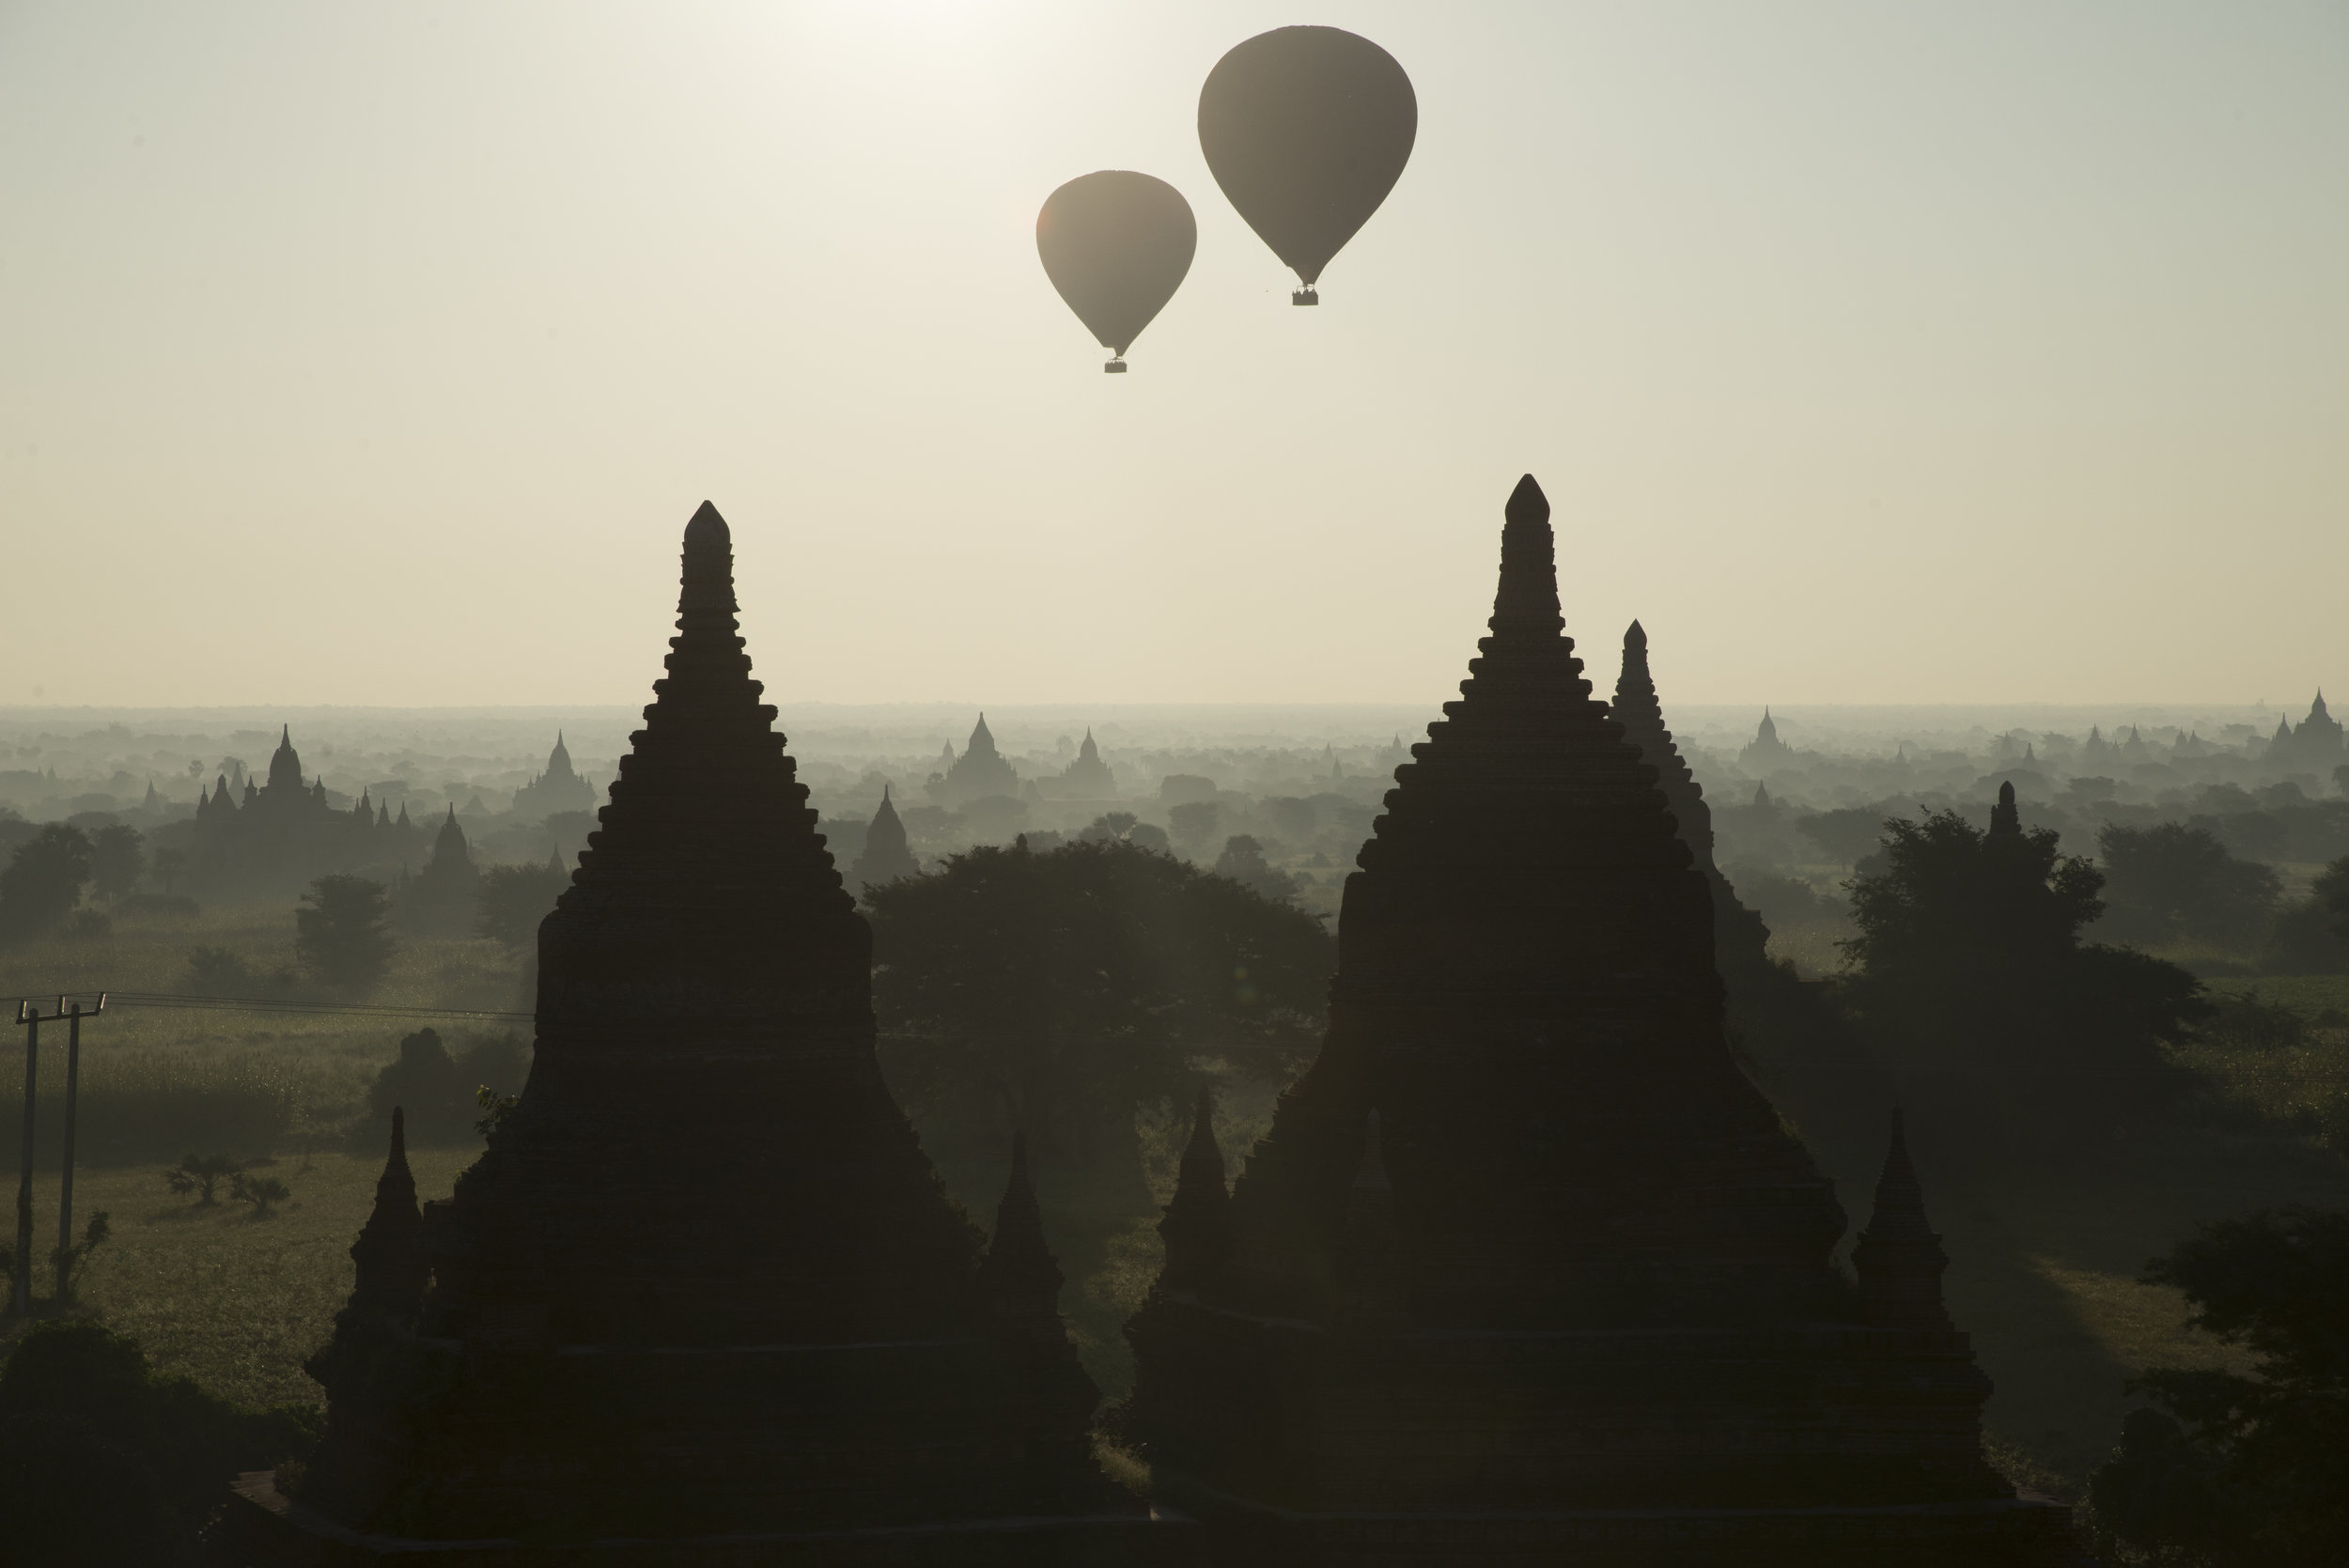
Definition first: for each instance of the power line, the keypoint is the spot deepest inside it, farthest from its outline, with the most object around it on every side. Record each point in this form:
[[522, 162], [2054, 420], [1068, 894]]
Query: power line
[[285, 1004]]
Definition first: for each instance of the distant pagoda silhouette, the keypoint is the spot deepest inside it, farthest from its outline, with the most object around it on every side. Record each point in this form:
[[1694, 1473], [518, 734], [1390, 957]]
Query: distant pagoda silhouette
[[1088, 777], [1526, 1270], [556, 789], [1765, 749], [887, 854], [703, 1300], [981, 772]]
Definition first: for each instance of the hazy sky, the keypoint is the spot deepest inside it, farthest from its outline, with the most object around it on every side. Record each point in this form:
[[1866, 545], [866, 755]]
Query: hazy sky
[[1869, 352]]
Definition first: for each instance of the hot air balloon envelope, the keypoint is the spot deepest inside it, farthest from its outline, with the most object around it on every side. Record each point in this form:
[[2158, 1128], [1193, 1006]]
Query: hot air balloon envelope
[[1307, 129], [1116, 244]]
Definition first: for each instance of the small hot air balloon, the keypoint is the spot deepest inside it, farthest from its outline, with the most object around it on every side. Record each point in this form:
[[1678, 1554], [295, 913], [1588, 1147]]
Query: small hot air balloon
[[1307, 129], [1116, 245]]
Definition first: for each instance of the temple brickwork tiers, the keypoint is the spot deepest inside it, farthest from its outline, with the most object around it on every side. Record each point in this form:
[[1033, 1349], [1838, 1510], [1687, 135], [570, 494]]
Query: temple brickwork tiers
[[702, 1299], [1526, 1271]]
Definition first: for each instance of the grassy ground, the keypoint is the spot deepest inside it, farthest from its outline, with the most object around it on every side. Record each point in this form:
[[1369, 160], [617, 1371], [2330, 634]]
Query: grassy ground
[[234, 1301]]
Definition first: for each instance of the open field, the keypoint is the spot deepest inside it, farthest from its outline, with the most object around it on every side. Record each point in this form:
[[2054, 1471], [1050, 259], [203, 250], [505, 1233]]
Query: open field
[[234, 1301], [326, 1061]]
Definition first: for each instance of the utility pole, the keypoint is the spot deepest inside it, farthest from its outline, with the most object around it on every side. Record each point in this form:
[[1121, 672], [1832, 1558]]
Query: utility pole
[[32, 1018], [20, 1277], [72, 1097]]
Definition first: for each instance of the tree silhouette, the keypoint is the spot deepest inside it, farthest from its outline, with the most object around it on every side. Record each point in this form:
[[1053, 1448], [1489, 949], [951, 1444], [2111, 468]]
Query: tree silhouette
[[200, 1175], [2234, 1471], [342, 933], [513, 899], [1969, 954], [117, 861], [2175, 879], [43, 882], [1072, 986]]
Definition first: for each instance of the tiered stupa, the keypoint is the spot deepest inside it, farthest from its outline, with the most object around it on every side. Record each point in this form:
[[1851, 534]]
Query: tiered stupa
[[556, 789], [1088, 777], [888, 855], [1526, 1270], [982, 772], [703, 1300], [1740, 940]]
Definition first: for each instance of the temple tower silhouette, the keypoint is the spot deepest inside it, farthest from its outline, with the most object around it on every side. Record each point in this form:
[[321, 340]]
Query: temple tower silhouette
[[702, 1299], [1526, 1270], [1740, 940], [887, 854]]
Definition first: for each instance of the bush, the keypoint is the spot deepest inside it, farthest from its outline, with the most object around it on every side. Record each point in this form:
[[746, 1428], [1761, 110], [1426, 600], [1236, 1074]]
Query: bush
[[262, 1192], [439, 1091], [104, 1463], [200, 1175]]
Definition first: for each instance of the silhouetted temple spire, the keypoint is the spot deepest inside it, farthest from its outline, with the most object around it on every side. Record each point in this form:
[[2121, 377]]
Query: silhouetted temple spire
[[1525, 605], [1023, 1278], [1742, 940], [390, 1249], [2006, 819], [887, 854], [706, 1159], [1898, 1257], [1198, 1224], [1562, 1296]]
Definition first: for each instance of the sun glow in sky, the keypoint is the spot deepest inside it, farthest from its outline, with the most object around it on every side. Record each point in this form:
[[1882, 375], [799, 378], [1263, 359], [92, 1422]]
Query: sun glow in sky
[[377, 353]]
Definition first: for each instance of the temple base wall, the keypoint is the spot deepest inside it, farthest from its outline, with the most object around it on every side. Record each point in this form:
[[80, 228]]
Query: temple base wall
[[263, 1529], [2005, 1533]]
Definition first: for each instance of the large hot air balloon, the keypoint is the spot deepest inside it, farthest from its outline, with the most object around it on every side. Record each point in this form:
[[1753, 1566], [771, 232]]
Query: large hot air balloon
[[1116, 245], [1307, 129]]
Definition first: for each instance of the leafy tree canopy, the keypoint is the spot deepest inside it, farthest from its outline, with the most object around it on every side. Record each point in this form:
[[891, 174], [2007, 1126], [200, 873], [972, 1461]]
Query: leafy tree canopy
[[1078, 982], [1969, 946], [118, 860], [513, 899], [2233, 1470], [342, 933], [43, 882], [2175, 879]]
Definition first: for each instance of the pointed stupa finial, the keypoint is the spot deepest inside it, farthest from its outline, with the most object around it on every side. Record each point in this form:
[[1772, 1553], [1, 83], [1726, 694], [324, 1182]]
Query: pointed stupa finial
[[1526, 603], [1635, 636], [1023, 1277], [1898, 1257], [2006, 819], [1197, 1228], [390, 1249]]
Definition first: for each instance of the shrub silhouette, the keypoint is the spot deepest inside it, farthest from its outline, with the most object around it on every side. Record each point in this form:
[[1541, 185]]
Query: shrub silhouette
[[264, 1192], [200, 1175]]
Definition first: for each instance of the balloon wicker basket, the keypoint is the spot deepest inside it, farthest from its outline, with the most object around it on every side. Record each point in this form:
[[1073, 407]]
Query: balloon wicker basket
[[1305, 296], [1114, 368]]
